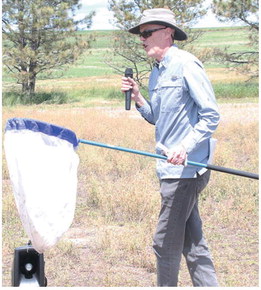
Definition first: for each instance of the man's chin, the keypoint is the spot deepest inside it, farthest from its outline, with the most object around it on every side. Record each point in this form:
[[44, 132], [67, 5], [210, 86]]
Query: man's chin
[[150, 54]]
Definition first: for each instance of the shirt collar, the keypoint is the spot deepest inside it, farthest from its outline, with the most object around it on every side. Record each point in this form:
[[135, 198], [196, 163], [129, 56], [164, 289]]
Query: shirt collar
[[166, 59]]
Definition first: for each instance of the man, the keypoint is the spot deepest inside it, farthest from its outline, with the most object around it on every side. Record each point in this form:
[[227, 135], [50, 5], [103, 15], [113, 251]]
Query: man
[[183, 109]]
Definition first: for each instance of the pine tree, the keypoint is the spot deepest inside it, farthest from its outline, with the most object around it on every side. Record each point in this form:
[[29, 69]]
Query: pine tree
[[39, 36], [247, 11]]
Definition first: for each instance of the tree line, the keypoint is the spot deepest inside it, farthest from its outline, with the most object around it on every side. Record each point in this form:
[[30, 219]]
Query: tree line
[[41, 35]]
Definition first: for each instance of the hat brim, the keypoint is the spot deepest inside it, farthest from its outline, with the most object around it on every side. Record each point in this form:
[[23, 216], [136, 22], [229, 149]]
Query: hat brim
[[179, 34]]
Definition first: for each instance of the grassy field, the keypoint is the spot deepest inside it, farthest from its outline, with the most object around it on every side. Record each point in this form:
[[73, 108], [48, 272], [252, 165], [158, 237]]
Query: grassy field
[[109, 242], [90, 78]]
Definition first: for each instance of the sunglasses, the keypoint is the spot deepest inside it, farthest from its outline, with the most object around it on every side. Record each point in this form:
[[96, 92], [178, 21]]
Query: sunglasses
[[148, 33]]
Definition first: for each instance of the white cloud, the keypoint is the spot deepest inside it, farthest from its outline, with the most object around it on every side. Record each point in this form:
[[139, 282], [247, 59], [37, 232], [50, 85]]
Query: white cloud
[[103, 17], [96, 3], [209, 20]]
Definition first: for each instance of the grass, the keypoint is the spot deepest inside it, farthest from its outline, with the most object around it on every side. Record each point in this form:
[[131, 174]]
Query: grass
[[13, 98], [235, 38], [77, 91], [91, 63], [236, 90], [109, 241], [81, 82]]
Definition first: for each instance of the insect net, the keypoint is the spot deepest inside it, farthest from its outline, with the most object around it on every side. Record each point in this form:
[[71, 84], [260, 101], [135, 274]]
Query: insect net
[[42, 165]]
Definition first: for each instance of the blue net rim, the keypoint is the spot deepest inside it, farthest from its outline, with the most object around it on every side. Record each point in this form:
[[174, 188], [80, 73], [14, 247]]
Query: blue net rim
[[43, 127]]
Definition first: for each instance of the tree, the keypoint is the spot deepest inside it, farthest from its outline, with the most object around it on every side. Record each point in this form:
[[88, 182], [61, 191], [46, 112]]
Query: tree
[[246, 11], [127, 13], [39, 36]]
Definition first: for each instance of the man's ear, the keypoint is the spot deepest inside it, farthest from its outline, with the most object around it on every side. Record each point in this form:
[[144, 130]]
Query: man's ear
[[171, 32]]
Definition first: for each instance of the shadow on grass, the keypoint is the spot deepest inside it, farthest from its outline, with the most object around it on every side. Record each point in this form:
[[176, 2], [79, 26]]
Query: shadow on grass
[[12, 98]]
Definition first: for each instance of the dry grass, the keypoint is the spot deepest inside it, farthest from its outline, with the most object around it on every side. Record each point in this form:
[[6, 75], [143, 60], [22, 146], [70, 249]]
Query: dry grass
[[114, 81], [80, 83], [221, 75], [109, 242]]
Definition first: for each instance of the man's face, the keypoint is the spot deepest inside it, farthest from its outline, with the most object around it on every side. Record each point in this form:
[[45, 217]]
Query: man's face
[[156, 44]]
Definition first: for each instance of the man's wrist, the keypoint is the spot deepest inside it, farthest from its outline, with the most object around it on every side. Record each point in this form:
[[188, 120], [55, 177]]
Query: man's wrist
[[138, 104], [139, 100]]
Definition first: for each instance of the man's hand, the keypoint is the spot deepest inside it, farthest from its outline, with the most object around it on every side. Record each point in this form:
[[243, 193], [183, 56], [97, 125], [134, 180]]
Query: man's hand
[[177, 155], [129, 83]]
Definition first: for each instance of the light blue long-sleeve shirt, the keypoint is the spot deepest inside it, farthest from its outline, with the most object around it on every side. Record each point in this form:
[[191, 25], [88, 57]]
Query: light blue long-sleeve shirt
[[183, 109]]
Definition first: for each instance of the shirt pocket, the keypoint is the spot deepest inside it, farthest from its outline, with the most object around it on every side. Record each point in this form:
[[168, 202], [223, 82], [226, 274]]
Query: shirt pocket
[[171, 95]]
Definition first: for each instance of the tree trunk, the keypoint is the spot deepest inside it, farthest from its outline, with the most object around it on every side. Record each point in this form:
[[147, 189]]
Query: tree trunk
[[28, 85], [32, 85]]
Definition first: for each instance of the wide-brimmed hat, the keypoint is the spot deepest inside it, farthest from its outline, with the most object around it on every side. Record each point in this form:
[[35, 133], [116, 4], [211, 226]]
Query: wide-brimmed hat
[[159, 16]]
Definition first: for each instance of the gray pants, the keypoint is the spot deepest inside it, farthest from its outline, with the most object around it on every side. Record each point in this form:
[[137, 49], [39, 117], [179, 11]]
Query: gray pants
[[179, 231]]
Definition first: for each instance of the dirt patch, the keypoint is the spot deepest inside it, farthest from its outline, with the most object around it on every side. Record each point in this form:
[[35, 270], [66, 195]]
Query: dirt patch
[[241, 113]]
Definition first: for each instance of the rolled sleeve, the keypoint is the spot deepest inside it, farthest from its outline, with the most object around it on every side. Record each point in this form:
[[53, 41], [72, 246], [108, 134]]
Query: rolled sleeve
[[202, 92], [146, 112]]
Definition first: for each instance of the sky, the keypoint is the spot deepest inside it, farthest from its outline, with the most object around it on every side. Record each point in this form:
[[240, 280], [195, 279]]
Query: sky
[[103, 18]]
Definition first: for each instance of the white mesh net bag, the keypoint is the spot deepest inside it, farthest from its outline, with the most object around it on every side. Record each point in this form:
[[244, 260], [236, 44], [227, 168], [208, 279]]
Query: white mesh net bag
[[42, 164]]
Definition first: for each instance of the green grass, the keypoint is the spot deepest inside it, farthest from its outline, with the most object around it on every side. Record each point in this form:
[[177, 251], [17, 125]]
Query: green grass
[[13, 98], [86, 97], [237, 90], [103, 38], [92, 63], [224, 92], [235, 38]]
